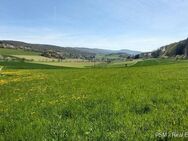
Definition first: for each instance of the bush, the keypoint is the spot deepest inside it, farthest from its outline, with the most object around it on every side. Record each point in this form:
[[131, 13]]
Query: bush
[[164, 57], [180, 57], [1, 57]]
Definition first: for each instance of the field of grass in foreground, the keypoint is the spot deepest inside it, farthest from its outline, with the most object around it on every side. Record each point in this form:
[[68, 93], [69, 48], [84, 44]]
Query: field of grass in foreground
[[131, 103]]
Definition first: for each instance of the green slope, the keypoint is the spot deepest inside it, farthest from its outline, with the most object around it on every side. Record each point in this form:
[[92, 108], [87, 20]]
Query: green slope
[[4, 51], [26, 65]]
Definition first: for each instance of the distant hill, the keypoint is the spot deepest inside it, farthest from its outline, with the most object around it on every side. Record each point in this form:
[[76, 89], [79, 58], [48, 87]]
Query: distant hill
[[62, 52], [96, 50], [48, 50], [172, 50], [105, 51], [130, 52]]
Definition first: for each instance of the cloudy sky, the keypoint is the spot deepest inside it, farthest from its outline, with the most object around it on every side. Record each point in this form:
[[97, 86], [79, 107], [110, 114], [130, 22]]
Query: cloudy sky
[[142, 25]]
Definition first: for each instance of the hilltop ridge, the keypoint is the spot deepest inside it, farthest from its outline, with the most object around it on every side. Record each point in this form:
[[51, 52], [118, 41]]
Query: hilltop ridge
[[62, 52]]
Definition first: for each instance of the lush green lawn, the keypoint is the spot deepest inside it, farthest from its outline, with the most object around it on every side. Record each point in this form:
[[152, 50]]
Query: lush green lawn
[[132, 103], [25, 65]]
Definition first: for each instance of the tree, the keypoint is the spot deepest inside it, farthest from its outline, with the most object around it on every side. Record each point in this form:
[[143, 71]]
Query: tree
[[137, 56], [179, 50], [108, 61], [156, 53], [186, 49]]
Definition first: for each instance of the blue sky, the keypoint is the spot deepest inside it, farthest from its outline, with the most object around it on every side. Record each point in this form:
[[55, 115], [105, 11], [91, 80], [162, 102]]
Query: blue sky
[[109, 24]]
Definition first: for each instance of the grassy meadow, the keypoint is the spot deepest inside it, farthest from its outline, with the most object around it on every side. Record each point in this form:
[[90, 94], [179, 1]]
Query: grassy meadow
[[36, 58], [105, 104]]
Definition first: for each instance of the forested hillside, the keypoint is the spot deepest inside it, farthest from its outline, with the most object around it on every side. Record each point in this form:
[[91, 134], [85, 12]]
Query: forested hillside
[[172, 50], [48, 50]]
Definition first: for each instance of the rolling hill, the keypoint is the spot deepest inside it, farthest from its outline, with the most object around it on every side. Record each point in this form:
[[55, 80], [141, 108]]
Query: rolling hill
[[172, 50], [106, 51], [47, 50], [53, 51]]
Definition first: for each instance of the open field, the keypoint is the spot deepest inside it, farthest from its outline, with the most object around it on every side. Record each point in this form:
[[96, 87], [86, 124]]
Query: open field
[[132, 103], [93, 70], [118, 64], [35, 58], [75, 63], [153, 62], [72, 64], [26, 65]]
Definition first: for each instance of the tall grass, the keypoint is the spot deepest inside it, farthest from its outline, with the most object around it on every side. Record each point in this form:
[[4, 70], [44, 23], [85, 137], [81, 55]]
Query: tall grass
[[94, 104]]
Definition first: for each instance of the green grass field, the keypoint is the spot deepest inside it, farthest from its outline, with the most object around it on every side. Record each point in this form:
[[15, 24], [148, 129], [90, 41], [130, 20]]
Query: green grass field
[[118, 64], [153, 62], [26, 65], [36, 58], [132, 103], [75, 63]]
